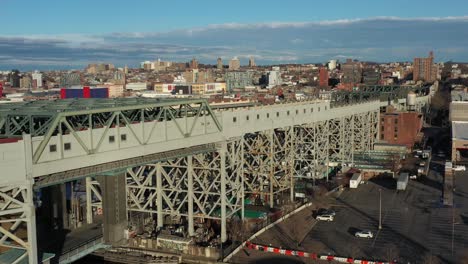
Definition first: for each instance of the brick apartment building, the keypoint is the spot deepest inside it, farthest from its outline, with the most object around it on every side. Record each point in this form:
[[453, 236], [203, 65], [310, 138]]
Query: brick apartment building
[[401, 128]]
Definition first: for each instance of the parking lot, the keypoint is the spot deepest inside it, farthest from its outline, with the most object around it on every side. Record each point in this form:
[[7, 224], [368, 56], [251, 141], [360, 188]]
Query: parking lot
[[415, 225]]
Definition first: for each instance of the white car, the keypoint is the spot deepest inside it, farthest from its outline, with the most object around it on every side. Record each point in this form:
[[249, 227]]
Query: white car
[[459, 168], [328, 218], [413, 177], [364, 234]]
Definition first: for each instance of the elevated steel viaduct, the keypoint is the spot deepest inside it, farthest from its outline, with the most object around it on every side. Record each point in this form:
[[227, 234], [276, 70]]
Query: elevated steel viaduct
[[171, 157]]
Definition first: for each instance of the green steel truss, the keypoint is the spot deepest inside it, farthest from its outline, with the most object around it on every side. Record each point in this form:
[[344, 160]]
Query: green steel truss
[[41, 118], [50, 118], [376, 92]]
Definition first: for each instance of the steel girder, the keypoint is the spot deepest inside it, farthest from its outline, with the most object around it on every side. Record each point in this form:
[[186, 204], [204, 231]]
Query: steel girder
[[312, 150], [205, 185], [373, 92], [93, 198], [62, 117], [269, 163], [341, 139], [334, 140], [17, 213]]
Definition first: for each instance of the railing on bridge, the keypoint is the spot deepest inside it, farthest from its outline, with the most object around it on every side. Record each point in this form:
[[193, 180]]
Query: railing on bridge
[[80, 250]]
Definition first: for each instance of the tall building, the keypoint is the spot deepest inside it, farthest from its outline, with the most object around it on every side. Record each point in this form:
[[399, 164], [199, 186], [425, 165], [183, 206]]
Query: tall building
[[238, 80], [352, 73], [147, 65], [194, 64], [371, 76], [252, 62], [97, 68], [36, 79], [14, 78], [332, 65], [234, 64], [424, 69], [26, 81], [126, 69], [323, 77], [219, 64], [274, 77]]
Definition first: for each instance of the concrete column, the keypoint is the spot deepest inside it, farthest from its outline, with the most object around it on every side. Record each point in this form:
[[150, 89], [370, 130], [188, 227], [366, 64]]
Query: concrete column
[[159, 191], [272, 164], [31, 226], [292, 156], [241, 141], [222, 152], [89, 201], [28, 207], [63, 198], [114, 203], [191, 229]]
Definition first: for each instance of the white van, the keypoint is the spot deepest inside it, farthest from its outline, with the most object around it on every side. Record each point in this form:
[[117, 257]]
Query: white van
[[328, 218]]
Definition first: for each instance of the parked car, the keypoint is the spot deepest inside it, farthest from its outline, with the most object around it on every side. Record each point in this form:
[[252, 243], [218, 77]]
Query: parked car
[[413, 177], [364, 234], [328, 218], [459, 168], [422, 163], [324, 211]]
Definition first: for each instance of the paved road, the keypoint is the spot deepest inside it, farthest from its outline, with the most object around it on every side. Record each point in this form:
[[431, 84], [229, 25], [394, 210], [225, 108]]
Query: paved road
[[414, 223]]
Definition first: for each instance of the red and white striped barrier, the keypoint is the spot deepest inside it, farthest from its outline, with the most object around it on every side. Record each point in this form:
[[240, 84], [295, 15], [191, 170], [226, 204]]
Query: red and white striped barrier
[[314, 256]]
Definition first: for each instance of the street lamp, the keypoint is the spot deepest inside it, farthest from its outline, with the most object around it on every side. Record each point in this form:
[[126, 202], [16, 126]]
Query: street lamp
[[380, 209]]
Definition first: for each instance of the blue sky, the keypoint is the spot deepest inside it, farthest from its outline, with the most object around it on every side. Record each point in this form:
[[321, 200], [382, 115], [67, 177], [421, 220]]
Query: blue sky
[[72, 33]]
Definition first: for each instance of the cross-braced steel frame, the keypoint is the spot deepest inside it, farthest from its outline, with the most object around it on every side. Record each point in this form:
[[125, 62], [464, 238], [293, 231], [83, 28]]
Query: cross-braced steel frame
[[17, 213], [205, 185], [258, 165], [336, 140], [268, 163], [93, 198]]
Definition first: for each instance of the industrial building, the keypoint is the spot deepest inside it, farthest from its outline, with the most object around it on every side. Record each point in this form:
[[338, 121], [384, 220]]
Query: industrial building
[[459, 121], [136, 86]]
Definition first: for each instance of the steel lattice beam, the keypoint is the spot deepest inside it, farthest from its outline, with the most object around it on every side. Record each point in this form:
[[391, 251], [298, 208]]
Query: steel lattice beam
[[17, 208]]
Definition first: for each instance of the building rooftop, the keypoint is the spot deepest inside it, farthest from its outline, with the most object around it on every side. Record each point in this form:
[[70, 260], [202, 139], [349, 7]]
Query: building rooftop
[[460, 130]]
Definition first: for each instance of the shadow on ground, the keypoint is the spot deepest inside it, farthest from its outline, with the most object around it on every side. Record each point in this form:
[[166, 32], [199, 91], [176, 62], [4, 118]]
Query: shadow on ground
[[387, 183]]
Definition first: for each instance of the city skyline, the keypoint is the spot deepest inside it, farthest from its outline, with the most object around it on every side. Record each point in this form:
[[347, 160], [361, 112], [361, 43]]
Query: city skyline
[[378, 32]]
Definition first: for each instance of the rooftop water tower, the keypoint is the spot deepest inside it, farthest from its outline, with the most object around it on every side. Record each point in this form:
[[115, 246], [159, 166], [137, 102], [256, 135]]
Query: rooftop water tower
[[411, 101]]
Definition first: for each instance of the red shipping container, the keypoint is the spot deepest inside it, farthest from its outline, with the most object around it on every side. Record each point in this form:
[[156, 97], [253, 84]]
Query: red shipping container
[[63, 93], [86, 92]]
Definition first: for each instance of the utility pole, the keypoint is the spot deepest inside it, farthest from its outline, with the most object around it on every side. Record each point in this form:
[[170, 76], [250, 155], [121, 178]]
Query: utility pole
[[380, 209]]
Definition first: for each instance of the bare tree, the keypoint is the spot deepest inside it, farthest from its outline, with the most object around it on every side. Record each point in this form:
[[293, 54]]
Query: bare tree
[[236, 230]]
